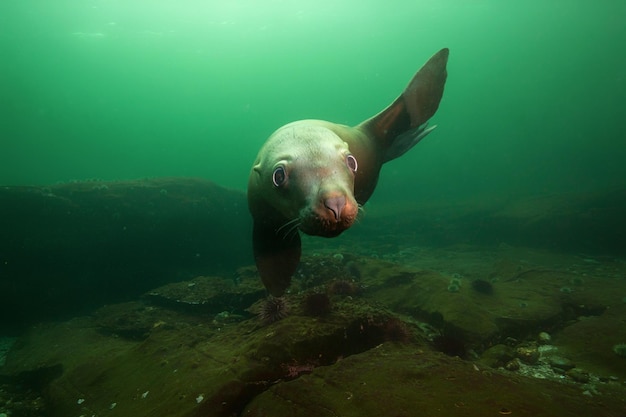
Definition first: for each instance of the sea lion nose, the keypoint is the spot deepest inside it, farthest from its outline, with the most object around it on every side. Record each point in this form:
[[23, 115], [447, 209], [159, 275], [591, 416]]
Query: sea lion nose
[[336, 205]]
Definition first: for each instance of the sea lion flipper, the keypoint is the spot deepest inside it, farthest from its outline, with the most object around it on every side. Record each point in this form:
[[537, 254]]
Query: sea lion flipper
[[406, 141], [276, 256], [403, 123], [424, 92]]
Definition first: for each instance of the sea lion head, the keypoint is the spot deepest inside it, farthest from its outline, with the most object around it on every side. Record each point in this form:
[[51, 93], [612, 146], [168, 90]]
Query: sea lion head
[[304, 178]]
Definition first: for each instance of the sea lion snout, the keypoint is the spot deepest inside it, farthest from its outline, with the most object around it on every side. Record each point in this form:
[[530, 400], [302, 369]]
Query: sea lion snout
[[336, 205], [334, 212]]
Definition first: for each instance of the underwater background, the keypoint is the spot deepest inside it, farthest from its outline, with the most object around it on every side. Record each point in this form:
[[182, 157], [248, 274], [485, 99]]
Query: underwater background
[[486, 275], [120, 90]]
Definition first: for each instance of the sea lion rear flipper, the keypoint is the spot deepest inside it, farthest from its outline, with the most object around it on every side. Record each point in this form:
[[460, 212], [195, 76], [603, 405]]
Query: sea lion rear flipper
[[403, 124], [276, 257]]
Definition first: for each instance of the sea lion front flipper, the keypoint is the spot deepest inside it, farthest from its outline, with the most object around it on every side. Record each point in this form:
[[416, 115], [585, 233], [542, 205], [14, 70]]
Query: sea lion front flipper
[[403, 124], [277, 257]]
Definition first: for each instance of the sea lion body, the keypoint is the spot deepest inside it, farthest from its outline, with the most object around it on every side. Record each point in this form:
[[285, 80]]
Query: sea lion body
[[312, 175]]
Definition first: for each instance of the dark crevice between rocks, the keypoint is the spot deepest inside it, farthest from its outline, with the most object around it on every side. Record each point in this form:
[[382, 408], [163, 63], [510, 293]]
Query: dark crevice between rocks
[[572, 310], [36, 379], [232, 398], [520, 328], [25, 392], [450, 345], [304, 357]]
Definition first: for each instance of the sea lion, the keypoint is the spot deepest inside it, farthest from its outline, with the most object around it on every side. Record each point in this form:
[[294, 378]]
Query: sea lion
[[313, 175]]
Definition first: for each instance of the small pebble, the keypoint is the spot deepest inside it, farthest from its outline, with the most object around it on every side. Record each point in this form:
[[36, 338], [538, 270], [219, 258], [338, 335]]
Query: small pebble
[[513, 365], [544, 338]]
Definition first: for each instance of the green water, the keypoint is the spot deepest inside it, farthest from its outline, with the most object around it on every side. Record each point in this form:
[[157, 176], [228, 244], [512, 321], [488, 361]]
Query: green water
[[128, 89]]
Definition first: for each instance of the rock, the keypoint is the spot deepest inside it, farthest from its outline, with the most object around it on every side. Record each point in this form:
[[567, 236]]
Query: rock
[[73, 247], [189, 366], [512, 365], [209, 295], [584, 221], [578, 375], [132, 320], [560, 363], [544, 338], [588, 341], [497, 356], [528, 354], [173, 355], [398, 381]]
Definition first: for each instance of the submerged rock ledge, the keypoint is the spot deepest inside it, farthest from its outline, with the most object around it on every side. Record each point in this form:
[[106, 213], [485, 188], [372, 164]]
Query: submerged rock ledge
[[69, 247], [361, 336]]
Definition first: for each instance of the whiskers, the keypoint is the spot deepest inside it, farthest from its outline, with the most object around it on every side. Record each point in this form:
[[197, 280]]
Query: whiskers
[[289, 229], [360, 213]]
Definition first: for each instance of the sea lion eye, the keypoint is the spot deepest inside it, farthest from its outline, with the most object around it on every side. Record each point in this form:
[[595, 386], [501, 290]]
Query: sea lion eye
[[279, 176], [351, 162]]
